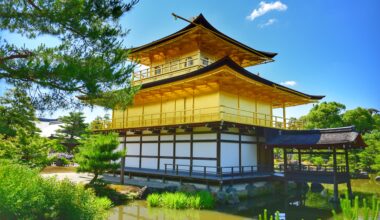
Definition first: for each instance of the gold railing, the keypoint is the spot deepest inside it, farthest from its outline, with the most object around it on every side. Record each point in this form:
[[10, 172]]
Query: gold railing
[[170, 69], [219, 113]]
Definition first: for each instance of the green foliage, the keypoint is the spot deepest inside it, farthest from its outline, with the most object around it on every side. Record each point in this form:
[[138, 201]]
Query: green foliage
[[181, 200], [88, 58], [16, 111], [72, 129], [97, 154], [361, 118], [325, 115], [26, 195], [352, 211], [27, 149], [370, 156]]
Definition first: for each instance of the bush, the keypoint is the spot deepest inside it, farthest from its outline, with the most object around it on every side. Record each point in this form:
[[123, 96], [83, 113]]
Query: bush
[[26, 195], [181, 200]]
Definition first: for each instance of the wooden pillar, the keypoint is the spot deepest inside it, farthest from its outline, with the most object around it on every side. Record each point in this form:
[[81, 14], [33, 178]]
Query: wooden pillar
[[159, 150], [349, 189], [335, 176], [122, 167], [284, 115], [240, 151], [218, 152], [285, 160], [174, 147], [141, 135], [299, 160], [191, 151]]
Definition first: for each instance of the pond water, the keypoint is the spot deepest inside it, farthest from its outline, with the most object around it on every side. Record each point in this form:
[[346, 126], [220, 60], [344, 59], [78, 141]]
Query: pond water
[[309, 206]]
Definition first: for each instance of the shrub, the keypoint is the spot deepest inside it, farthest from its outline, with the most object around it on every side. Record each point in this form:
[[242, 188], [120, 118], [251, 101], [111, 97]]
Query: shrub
[[153, 200], [26, 195], [181, 200]]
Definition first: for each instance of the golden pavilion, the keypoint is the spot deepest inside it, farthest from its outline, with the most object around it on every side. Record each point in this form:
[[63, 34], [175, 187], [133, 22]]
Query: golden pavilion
[[201, 116]]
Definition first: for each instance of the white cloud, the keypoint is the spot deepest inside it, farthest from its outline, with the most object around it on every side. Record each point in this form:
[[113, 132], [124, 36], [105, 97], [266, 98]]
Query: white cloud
[[265, 8], [269, 22], [289, 83]]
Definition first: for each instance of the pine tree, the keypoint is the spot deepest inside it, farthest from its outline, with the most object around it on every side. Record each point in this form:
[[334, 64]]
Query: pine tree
[[98, 154], [72, 129]]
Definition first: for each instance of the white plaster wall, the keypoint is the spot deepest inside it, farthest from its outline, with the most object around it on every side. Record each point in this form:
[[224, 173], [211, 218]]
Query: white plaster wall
[[133, 149], [133, 138], [182, 137], [204, 149], [248, 138], [211, 163], [166, 149], [149, 163], [248, 154], [132, 162], [165, 161], [166, 137], [149, 149], [182, 150], [183, 162], [150, 138], [233, 137], [205, 136], [229, 153], [121, 139]]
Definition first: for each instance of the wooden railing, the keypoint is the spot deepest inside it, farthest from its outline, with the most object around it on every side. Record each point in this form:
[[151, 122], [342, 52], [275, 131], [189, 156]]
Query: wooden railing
[[219, 113], [215, 171], [170, 69], [309, 168]]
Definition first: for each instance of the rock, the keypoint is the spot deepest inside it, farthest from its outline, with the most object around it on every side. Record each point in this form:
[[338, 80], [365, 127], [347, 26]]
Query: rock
[[171, 188], [230, 189], [377, 178], [324, 193], [316, 187], [232, 198], [221, 197], [188, 188], [143, 192]]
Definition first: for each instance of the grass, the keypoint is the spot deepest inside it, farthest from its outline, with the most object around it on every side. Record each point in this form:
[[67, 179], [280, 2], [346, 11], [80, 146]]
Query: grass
[[181, 200]]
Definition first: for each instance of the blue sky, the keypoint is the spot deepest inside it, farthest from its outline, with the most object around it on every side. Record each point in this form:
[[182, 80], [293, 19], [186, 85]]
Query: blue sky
[[324, 47]]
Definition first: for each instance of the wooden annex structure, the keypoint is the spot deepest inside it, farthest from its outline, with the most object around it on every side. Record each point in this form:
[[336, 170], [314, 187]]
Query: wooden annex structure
[[199, 114]]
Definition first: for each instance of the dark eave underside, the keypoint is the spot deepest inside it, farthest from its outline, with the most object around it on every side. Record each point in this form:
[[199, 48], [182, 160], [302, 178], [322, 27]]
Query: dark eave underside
[[201, 20], [231, 64]]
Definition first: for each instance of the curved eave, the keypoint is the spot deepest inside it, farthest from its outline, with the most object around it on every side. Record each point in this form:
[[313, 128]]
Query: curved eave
[[201, 20], [234, 66]]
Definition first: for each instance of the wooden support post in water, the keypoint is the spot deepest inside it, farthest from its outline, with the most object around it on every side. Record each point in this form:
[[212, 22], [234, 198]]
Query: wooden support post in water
[[349, 189], [299, 160], [335, 176], [285, 160]]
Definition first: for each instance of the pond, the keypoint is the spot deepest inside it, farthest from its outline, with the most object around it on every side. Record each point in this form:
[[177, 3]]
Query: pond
[[309, 206]]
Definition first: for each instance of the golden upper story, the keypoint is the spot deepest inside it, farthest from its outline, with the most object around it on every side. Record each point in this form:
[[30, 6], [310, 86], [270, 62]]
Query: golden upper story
[[198, 75]]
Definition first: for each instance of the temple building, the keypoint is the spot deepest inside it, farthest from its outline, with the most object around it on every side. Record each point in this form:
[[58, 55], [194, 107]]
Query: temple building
[[201, 116]]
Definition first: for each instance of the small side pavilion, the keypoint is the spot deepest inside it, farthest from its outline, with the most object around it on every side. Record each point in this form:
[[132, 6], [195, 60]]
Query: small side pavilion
[[332, 141]]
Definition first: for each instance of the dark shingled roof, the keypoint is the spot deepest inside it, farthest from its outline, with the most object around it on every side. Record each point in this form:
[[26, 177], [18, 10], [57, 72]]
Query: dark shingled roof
[[314, 138], [201, 20], [231, 64]]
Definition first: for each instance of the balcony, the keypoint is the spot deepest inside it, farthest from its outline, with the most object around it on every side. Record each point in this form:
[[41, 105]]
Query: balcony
[[170, 69], [219, 113]]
